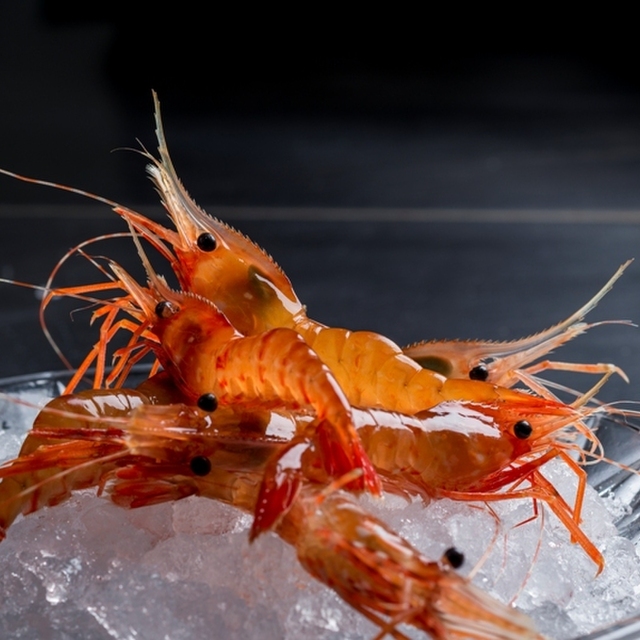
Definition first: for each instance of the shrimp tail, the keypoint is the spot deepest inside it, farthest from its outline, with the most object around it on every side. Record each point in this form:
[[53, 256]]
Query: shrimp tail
[[316, 387], [280, 486], [337, 461]]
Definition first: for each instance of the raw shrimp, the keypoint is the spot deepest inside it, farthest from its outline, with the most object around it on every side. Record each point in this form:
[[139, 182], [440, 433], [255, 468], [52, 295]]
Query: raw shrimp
[[506, 363], [273, 369], [336, 540], [78, 440], [46, 455], [213, 260], [459, 450], [202, 360], [190, 332]]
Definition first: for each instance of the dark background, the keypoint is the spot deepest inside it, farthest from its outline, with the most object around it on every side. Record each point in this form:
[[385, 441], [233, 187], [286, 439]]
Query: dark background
[[454, 177]]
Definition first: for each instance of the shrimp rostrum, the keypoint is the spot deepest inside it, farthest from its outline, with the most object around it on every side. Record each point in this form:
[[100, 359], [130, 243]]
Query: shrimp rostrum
[[152, 454]]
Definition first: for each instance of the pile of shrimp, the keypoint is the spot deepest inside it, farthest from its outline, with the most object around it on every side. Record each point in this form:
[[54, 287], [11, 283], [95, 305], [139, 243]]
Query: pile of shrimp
[[252, 403]]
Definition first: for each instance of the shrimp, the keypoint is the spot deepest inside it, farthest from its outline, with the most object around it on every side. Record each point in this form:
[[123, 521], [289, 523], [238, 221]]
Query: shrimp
[[259, 371], [187, 331], [206, 356], [336, 540], [506, 363], [213, 260], [459, 450], [46, 454], [202, 360]]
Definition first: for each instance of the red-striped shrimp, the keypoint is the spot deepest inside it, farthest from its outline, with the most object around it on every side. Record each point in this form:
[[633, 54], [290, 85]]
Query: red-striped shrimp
[[459, 450], [195, 341], [336, 540], [215, 261]]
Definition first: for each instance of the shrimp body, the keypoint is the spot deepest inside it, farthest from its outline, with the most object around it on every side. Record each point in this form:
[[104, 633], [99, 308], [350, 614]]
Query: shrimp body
[[373, 372]]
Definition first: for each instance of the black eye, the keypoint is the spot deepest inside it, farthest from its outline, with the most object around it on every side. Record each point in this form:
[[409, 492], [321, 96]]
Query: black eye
[[206, 242], [208, 402], [200, 466], [522, 429], [454, 557], [479, 372], [166, 309]]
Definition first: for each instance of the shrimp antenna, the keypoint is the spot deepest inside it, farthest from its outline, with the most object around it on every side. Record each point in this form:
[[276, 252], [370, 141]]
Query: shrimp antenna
[[50, 292]]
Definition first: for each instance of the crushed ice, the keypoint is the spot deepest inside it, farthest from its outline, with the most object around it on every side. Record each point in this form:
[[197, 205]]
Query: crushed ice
[[88, 569]]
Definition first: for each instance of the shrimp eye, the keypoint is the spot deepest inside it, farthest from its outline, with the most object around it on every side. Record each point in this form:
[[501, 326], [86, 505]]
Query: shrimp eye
[[206, 242], [479, 372], [522, 429], [166, 309], [208, 402], [200, 466], [454, 557]]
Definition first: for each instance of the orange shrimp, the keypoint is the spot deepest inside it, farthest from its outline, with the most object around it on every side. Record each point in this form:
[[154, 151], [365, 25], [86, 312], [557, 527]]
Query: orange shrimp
[[211, 362], [204, 351], [215, 261], [77, 441], [458, 450], [204, 355], [506, 363], [260, 371], [462, 451], [46, 454], [336, 540]]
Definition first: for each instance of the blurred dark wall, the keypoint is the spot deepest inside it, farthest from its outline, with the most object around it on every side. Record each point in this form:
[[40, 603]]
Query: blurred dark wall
[[321, 107]]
